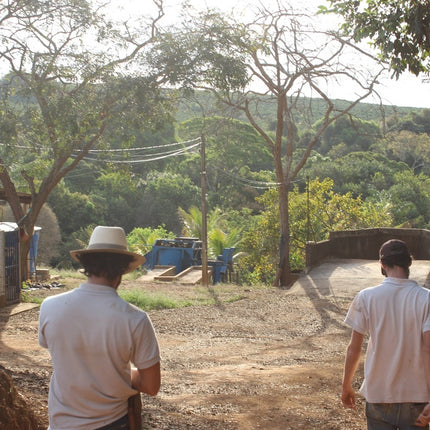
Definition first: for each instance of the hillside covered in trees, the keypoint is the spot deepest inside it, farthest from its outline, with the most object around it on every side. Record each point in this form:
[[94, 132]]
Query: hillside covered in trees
[[362, 173]]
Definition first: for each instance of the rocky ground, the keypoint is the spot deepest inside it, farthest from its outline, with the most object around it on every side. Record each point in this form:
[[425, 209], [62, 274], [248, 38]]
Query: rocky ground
[[257, 359]]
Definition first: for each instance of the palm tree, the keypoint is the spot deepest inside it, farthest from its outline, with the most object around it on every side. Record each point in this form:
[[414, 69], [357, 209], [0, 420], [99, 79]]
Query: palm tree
[[218, 237]]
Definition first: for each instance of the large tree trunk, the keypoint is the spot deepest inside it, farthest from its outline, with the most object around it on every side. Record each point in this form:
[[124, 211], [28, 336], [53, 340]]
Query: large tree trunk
[[283, 277]]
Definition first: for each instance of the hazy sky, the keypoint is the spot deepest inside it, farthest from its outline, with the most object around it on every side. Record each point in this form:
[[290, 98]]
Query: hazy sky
[[408, 90]]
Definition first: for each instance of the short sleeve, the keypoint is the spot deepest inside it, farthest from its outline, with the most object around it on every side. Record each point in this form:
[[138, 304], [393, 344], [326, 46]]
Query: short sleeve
[[356, 316], [146, 349], [42, 318], [426, 322]]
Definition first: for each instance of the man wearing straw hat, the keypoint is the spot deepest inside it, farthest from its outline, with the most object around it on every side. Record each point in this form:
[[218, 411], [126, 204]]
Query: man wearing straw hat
[[103, 349]]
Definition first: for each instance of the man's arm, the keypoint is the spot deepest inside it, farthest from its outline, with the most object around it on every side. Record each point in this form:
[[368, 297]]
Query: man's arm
[[148, 380], [424, 417], [352, 359]]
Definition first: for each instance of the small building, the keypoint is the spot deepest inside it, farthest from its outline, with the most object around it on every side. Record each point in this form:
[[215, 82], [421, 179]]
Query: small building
[[10, 269], [10, 279]]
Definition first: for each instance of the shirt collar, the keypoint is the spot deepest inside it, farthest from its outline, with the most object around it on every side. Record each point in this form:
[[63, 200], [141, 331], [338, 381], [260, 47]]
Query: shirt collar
[[97, 288]]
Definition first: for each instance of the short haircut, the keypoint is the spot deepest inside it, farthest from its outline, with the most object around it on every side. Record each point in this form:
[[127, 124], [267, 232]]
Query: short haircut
[[397, 260], [395, 252], [106, 264]]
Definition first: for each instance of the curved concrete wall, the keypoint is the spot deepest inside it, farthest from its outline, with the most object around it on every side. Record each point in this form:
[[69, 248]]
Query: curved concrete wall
[[365, 244]]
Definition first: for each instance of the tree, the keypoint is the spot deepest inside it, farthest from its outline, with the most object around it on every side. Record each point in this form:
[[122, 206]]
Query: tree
[[116, 195], [409, 147], [67, 87], [279, 57], [142, 239], [348, 135], [220, 234], [399, 29], [364, 174], [410, 199], [314, 215], [163, 195], [235, 159], [415, 121]]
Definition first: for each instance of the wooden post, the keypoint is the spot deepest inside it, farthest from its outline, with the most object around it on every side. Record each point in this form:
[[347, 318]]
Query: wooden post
[[205, 281]]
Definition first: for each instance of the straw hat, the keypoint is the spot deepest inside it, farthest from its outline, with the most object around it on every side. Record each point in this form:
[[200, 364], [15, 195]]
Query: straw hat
[[109, 240]]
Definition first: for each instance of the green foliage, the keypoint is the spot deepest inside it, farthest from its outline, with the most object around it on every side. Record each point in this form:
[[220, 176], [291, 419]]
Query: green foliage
[[414, 121], [260, 243], [220, 234], [312, 217], [410, 199], [399, 29], [362, 173], [218, 240], [408, 147], [141, 239], [192, 221], [315, 214], [164, 193], [116, 196], [191, 57], [353, 134], [65, 203], [237, 160]]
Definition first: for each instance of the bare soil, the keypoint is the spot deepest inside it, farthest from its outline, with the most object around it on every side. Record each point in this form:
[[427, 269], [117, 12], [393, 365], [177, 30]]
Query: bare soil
[[259, 358]]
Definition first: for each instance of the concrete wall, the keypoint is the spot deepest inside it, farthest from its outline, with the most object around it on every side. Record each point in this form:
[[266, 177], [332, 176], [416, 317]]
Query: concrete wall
[[365, 244]]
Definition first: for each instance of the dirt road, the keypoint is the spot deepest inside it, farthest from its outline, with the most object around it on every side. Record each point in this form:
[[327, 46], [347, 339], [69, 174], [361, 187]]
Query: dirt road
[[272, 359]]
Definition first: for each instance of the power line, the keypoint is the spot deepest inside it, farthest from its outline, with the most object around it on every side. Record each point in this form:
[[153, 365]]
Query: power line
[[154, 157], [145, 148], [121, 150], [249, 182]]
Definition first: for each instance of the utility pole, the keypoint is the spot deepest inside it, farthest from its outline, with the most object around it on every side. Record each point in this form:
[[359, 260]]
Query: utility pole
[[205, 281], [308, 226]]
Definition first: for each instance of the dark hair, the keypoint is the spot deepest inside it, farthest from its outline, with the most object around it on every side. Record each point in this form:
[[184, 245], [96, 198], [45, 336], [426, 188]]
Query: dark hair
[[105, 264], [397, 260], [395, 252]]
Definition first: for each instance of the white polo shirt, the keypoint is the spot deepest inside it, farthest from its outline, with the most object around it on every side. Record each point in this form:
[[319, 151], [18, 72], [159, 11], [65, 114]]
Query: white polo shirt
[[93, 336], [395, 314]]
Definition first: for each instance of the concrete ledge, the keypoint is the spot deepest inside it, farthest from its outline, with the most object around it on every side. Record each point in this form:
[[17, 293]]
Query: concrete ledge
[[365, 244]]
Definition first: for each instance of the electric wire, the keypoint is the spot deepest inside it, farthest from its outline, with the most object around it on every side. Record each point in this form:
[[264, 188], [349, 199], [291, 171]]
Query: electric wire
[[151, 157], [138, 158], [144, 148], [248, 182]]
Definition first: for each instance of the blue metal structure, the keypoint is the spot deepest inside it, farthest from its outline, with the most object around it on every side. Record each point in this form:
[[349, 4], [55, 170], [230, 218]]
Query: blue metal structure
[[181, 252], [184, 252]]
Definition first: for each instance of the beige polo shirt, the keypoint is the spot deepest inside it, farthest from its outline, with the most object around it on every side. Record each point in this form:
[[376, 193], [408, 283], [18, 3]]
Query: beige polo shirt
[[395, 314], [93, 337]]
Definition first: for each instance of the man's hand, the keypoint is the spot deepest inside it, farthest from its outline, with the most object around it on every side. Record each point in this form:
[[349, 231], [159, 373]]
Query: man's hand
[[352, 360], [424, 418], [135, 412], [348, 397]]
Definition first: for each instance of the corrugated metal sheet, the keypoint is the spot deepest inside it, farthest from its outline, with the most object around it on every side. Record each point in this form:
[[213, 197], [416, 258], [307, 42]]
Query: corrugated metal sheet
[[10, 263]]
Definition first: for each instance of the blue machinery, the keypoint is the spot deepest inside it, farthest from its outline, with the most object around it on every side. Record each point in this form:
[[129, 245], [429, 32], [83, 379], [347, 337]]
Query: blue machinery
[[184, 252]]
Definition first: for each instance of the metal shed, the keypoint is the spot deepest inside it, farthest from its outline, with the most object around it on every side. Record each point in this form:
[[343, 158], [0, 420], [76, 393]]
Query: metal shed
[[10, 288]]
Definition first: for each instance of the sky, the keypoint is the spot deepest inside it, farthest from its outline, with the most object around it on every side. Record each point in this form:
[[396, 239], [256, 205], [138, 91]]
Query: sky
[[408, 90]]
